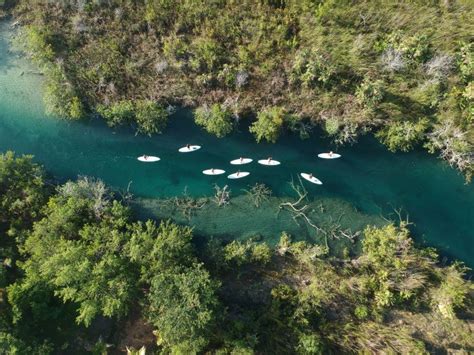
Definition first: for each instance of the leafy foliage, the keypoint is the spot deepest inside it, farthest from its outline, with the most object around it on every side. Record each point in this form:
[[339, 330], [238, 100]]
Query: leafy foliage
[[182, 307], [118, 113], [22, 192], [238, 253], [150, 117], [269, 124], [166, 247], [403, 135], [216, 120], [80, 257]]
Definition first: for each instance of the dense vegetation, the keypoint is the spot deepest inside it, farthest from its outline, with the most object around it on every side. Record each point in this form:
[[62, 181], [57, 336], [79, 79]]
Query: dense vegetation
[[79, 274], [401, 69]]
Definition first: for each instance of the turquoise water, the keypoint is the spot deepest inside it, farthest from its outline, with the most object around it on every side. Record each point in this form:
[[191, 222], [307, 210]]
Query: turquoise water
[[369, 178]]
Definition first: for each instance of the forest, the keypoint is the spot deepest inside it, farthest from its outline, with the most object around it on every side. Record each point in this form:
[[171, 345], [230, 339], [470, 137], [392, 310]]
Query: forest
[[81, 274], [402, 70]]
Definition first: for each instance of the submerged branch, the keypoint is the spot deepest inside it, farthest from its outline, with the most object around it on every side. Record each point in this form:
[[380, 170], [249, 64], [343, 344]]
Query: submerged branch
[[186, 204], [222, 195], [258, 193]]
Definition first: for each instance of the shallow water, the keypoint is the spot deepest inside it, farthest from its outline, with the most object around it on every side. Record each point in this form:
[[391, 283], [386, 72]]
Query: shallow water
[[368, 177]]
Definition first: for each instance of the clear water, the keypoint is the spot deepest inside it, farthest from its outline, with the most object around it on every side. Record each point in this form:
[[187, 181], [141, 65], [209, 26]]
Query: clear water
[[369, 179]]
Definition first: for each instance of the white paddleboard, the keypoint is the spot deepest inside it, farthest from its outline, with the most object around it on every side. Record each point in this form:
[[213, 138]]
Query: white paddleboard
[[148, 159], [241, 161], [191, 148], [329, 155], [213, 172], [269, 162], [238, 175], [311, 178]]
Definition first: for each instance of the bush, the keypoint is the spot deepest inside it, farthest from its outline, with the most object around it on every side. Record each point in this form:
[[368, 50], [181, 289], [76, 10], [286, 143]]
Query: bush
[[37, 43], [310, 344], [370, 93], [241, 253], [404, 135], [361, 312], [216, 120], [311, 68], [150, 117], [269, 124], [416, 48], [117, 113], [59, 97], [183, 308]]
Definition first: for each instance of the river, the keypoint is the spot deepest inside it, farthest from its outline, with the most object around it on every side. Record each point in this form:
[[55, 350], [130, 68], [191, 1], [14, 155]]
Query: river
[[373, 181]]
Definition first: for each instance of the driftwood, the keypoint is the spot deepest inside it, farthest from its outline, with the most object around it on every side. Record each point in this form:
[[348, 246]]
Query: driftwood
[[297, 208], [300, 210], [186, 205], [125, 195], [222, 195]]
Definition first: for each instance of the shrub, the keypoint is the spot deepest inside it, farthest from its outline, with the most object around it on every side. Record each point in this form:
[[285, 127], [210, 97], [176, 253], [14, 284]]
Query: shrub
[[404, 135], [37, 43], [311, 68], [453, 291], [150, 117], [59, 97], [269, 124], [117, 113], [416, 48], [465, 61], [216, 120], [241, 253], [331, 126], [361, 312], [370, 93]]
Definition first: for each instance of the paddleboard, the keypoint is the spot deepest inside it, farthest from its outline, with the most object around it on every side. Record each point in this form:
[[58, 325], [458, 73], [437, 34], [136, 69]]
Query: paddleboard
[[148, 159], [191, 148], [269, 162], [329, 156], [213, 172], [238, 175], [310, 178], [241, 161]]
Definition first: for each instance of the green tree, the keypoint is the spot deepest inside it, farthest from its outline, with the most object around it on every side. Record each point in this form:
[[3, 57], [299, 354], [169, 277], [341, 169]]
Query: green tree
[[370, 92], [150, 117], [239, 253], [37, 41], [403, 135], [80, 255], [183, 308], [22, 192], [216, 120], [117, 113], [59, 97], [452, 293], [396, 270], [269, 124], [161, 248]]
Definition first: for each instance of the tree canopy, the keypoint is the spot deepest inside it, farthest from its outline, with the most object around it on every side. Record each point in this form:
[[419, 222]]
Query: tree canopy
[[216, 119]]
